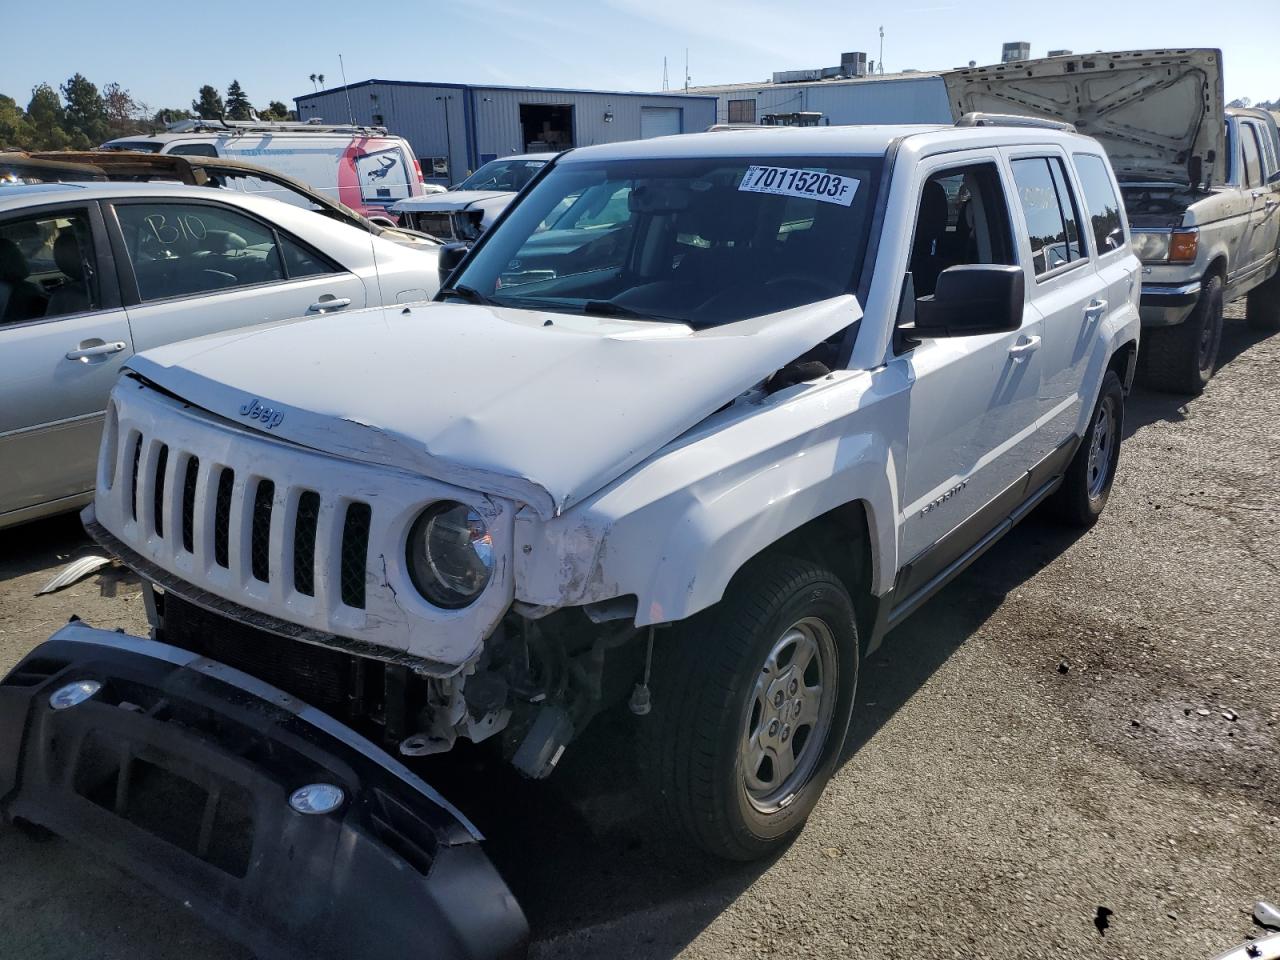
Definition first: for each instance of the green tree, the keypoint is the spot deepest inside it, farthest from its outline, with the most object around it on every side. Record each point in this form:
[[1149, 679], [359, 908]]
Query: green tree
[[16, 133], [209, 104], [86, 114], [238, 105], [46, 117], [171, 115], [121, 109], [276, 111]]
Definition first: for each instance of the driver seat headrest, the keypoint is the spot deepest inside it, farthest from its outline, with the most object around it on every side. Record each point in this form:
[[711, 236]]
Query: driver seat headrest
[[66, 254]]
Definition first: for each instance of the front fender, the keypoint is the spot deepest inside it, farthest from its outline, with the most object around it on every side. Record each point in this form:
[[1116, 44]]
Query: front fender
[[675, 529]]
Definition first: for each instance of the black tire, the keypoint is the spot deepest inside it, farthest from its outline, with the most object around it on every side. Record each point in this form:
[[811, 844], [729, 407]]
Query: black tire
[[1182, 359], [705, 699], [1087, 483], [1262, 308]]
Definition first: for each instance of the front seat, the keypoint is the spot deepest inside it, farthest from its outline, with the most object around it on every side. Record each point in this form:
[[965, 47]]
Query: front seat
[[927, 256], [20, 299], [73, 295]]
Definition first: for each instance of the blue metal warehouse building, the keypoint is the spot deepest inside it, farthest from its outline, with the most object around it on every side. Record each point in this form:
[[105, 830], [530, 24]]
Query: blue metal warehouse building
[[455, 127]]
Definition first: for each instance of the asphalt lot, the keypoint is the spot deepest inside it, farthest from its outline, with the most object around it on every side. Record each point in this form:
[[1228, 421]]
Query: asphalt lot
[[1079, 722]]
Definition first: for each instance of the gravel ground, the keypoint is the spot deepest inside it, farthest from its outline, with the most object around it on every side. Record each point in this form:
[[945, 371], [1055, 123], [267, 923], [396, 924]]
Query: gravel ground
[[1079, 724]]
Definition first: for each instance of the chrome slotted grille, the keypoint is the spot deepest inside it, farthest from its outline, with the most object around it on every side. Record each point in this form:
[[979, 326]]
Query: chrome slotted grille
[[168, 495]]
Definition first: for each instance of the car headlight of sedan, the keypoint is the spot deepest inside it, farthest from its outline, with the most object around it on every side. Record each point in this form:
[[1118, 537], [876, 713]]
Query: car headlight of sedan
[[450, 554]]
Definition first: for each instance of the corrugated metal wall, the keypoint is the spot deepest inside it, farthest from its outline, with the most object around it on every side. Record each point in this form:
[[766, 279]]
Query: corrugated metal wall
[[412, 112], [915, 100], [497, 116], [486, 120]]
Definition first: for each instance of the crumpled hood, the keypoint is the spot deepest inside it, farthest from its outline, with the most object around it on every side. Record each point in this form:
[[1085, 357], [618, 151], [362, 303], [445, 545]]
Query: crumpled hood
[[450, 200], [545, 408], [1158, 113]]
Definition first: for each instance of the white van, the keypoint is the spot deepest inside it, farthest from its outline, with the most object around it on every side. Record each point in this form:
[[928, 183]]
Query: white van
[[364, 167]]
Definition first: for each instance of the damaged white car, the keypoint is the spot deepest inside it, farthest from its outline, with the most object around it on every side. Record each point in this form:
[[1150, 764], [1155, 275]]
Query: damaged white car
[[698, 455]]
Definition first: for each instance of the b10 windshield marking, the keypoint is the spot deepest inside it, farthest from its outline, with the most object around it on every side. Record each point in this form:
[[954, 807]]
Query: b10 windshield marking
[[790, 182]]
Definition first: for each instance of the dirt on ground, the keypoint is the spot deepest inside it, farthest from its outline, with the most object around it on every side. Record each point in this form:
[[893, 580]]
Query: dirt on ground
[[1073, 751]]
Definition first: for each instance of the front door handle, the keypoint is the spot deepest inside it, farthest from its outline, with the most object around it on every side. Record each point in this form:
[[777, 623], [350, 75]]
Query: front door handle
[[1095, 309], [328, 302], [1024, 348], [89, 349]]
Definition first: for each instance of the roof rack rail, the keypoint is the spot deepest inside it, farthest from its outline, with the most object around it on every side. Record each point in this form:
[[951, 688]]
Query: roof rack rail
[[314, 125], [1013, 120]]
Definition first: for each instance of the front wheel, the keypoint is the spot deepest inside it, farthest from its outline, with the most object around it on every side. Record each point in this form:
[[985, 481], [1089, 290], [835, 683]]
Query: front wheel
[[1182, 359], [751, 704], [1087, 483]]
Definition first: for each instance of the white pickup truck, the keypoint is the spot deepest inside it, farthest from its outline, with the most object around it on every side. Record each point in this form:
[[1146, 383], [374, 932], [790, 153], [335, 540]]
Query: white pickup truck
[[1201, 184], [698, 460]]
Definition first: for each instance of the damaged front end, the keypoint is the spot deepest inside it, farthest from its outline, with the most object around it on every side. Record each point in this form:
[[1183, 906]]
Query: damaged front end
[[279, 825]]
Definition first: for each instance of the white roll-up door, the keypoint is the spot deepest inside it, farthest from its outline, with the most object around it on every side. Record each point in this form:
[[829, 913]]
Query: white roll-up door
[[659, 121]]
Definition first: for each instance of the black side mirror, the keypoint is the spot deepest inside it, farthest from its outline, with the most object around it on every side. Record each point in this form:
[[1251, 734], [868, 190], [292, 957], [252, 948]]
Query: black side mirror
[[970, 299], [451, 254]]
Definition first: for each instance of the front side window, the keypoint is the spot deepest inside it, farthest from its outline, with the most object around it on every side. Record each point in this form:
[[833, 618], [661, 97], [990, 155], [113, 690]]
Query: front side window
[[505, 175], [1049, 209], [47, 267], [194, 150], [704, 240], [1100, 197], [962, 218], [181, 250], [1251, 155]]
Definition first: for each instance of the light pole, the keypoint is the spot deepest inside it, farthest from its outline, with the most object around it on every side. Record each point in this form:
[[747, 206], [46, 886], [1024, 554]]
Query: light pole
[[448, 138]]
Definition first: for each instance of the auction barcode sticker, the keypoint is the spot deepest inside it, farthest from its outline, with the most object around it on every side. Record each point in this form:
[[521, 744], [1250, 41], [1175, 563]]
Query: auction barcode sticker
[[790, 182]]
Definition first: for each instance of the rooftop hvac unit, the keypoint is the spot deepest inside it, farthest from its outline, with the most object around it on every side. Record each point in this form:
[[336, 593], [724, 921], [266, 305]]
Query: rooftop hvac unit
[[1015, 51], [853, 64]]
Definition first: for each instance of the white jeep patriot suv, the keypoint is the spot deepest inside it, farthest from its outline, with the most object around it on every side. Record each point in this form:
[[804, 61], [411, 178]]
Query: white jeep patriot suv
[[692, 427]]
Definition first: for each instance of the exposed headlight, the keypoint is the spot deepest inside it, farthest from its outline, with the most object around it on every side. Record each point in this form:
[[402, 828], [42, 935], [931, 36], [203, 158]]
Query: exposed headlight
[[1180, 246], [1151, 247], [466, 225], [450, 554]]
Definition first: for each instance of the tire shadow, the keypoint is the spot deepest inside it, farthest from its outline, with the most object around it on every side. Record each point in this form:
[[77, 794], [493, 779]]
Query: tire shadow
[[1144, 407]]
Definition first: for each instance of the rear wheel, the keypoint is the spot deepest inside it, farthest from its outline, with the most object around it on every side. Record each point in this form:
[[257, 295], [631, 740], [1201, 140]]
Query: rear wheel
[[1087, 483], [1181, 359], [1262, 310], [752, 701]]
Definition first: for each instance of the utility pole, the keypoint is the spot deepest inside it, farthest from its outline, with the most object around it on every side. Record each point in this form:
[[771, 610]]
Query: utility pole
[[880, 62], [665, 83], [686, 69]]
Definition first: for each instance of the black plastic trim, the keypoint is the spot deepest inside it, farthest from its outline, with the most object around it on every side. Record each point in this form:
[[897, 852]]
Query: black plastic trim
[[394, 871]]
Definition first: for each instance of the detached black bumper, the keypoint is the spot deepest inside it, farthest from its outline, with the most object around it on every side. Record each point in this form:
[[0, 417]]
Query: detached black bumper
[[180, 769]]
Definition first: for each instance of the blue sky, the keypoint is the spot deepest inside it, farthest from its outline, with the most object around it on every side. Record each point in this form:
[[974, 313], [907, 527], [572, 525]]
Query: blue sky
[[163, 51]]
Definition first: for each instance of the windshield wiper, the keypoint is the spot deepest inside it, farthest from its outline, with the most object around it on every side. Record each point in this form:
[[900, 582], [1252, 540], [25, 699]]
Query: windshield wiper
[[463, 292], [607, 308]]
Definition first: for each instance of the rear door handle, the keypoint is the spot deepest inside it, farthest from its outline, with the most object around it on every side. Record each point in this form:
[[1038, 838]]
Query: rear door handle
[[325, 304], [1026, 347], [87, 353]]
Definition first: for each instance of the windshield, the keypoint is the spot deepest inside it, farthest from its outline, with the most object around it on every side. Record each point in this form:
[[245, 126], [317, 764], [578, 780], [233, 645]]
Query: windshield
[[704, 240], [509, 175]]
